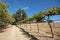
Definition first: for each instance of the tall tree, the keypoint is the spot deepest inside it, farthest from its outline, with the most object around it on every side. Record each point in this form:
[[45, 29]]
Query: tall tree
[[5, 17], [20, 15], [50, 13]]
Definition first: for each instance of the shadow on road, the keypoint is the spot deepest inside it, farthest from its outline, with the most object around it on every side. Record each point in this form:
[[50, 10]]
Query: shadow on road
[[27, 34], [2, 29]]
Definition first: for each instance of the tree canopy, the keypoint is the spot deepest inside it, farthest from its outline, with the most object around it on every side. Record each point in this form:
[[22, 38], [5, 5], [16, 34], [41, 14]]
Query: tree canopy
[[5, 17], [20, 15]]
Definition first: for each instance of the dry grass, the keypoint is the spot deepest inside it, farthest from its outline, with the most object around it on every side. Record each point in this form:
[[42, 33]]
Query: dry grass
[[44, 27]]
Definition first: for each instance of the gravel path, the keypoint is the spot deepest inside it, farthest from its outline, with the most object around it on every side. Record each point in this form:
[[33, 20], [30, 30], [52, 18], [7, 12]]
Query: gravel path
[[13, 33]]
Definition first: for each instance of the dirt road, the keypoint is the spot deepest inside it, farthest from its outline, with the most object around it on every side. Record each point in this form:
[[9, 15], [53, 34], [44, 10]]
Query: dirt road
[[13, 33]]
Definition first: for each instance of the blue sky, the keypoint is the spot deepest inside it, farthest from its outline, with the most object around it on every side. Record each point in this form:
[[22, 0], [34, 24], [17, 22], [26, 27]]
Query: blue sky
[[31, 6]]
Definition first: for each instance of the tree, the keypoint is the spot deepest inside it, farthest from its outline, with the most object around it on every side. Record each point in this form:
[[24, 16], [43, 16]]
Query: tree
[[20, 15], [5, 17], [50, 13], [38, 18]]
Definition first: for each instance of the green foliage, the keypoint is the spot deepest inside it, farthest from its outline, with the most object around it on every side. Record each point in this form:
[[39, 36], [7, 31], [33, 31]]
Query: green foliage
[[58, 10], [22, 21], [38, 17], [3, 5], [20, 15], [53, 11], [5, 17]]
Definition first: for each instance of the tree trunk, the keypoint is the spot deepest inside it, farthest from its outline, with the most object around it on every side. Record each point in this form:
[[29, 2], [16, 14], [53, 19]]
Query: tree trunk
[[26, 27], [30, 26], [22, 25], [53, 24], [50, 27], [38, 27]]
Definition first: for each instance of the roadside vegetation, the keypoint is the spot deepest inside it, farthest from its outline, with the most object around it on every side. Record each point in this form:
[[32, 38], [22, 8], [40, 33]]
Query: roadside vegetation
[[21, 17]]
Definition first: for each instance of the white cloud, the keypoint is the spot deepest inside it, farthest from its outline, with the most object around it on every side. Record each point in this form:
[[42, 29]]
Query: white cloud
[[26, 8]]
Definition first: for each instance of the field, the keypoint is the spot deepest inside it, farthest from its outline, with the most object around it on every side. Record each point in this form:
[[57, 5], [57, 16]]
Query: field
[[44, 30]]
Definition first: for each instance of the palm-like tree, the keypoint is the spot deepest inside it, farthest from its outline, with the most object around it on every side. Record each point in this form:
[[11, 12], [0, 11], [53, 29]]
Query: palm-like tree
[[50, 13], [54, 12], [39, 18]]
